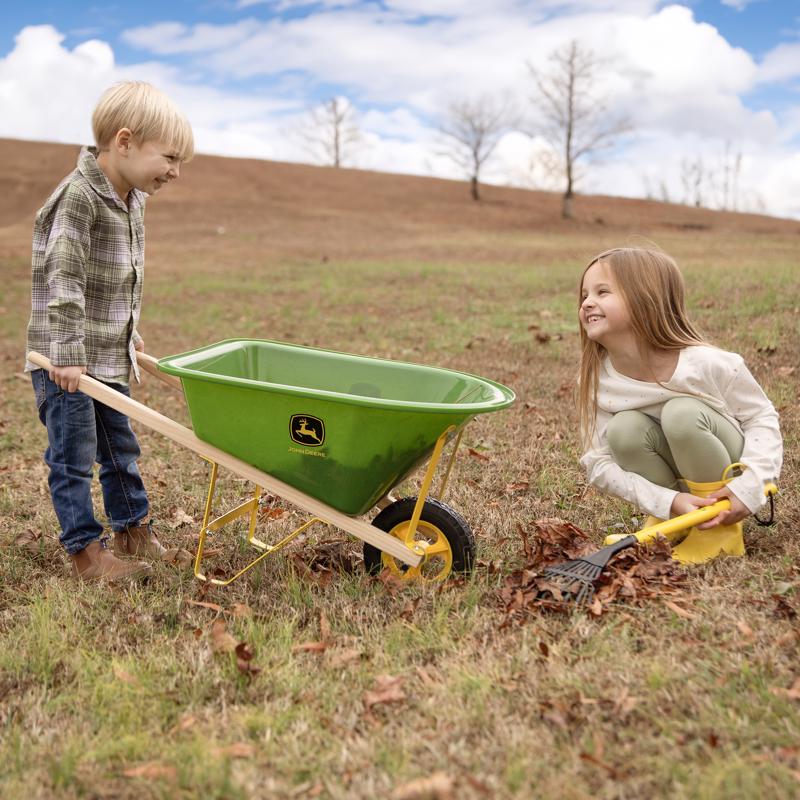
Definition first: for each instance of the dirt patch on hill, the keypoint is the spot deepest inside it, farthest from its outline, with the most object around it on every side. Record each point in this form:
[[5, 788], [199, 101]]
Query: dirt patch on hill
[[294, 210]]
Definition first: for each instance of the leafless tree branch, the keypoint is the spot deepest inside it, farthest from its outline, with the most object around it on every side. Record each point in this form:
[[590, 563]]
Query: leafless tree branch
[[571, 116], [331, 132], [472, 129]]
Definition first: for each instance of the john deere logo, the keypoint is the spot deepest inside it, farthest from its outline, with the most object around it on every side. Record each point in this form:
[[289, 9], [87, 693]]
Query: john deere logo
[[307, 430]]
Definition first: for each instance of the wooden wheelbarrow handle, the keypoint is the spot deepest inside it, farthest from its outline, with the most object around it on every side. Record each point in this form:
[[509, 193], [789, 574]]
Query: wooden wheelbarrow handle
[[150, 364]]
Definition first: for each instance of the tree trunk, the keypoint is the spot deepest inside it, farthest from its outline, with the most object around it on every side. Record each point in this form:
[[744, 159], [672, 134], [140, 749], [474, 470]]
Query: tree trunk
[[566, 206], [473, 188]]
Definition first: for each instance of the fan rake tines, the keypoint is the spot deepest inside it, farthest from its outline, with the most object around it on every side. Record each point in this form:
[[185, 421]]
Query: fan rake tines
[[575, 579]]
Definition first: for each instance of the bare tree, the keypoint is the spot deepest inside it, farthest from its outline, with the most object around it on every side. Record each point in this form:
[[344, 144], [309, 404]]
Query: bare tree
[[472, 130], [730, 170], [331, 131], [713, 183], [574, 118], [693, 177]]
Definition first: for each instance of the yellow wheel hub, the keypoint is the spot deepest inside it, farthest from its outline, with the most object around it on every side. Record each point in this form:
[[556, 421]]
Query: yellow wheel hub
[[431, 544]]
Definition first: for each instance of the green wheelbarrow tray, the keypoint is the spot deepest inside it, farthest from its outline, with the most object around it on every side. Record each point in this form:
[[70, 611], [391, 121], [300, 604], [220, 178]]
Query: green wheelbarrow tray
[[344, 429]]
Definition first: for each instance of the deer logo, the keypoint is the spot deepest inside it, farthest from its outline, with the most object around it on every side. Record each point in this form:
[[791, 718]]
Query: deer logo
[[307, 430]]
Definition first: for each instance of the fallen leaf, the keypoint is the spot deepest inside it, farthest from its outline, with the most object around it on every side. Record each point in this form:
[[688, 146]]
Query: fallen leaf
[[681, 612], [324, 627], [236, 750], [544, 649], [125, 676], [792, 693], [241, 610], [517, 486], [425, 676], [244, 657], [183, 724], [28, 540], [745, 629], [204, 604], [478, 784], [221, 640], [476, 454], [179, 518], [338, 658], [410, 608], [625, 703], [438, 786], [598, 763], [311, 647], [152, 770], [790, 637], [783, 608], [387, 689]]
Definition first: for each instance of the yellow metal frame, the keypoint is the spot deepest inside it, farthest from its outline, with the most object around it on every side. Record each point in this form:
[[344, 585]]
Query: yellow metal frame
[[251, 507]]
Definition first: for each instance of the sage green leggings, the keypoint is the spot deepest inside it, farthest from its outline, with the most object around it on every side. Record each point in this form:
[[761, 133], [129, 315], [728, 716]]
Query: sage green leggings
[[690, 441]]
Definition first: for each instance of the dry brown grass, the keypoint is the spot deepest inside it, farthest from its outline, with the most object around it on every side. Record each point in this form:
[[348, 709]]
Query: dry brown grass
[[120, 693]]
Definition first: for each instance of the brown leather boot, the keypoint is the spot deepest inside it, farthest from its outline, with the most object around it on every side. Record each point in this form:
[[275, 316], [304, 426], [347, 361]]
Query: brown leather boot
[[97, 562], [141, 540]]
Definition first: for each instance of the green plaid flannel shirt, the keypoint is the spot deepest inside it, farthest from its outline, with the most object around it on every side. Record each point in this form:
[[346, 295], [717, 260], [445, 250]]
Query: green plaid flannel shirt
[[88, 267]]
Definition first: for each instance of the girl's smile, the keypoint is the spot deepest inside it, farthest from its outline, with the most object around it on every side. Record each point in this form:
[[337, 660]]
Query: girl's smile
[[603, 312]]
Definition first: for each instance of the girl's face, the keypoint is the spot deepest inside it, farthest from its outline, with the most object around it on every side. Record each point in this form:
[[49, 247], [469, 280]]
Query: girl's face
[[603, 312]]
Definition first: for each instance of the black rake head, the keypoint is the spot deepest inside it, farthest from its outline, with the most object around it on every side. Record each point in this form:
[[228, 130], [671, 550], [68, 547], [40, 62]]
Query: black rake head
[[573, 581]]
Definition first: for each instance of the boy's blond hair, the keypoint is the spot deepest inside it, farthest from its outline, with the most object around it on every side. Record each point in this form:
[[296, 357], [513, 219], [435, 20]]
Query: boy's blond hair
[[147, 112], [653, 290]]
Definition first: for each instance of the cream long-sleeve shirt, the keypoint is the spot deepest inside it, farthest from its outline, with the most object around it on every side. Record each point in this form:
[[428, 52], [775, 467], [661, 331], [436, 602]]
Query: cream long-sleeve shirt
[[719, 379]]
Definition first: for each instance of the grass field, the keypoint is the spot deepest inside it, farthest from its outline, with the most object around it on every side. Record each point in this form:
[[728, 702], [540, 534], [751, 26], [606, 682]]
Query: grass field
[[347, 687]]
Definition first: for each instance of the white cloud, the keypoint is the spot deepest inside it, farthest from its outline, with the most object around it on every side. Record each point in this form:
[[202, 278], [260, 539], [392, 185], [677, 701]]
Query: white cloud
[[680, 80], [41, 84], [782, 63], [175, 37]]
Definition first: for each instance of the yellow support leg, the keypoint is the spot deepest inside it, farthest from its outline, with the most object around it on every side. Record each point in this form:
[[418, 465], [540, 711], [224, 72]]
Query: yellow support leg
[[427, 480], [249, 507]]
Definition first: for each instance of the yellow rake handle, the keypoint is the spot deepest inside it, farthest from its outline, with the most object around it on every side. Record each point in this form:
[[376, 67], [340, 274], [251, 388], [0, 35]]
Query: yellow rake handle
[[682, 522]]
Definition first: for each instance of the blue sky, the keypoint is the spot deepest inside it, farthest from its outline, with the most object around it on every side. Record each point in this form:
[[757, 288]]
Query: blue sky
[[699, 79]]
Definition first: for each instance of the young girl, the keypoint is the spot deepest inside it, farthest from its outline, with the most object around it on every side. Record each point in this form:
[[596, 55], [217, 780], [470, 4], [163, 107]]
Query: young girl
[[659, 405]]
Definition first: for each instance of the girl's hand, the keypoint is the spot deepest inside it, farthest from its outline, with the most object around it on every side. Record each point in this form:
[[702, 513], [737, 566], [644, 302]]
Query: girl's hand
[[736, 513], [67, 378], [685, 502]]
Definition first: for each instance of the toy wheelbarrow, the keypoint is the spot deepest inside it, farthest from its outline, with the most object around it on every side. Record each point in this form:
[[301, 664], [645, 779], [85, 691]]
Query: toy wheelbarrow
[[329, 432]]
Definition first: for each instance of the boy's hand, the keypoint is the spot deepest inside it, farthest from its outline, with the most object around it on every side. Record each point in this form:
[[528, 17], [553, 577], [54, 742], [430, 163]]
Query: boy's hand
[[139, 346], [736, 513], [67, 378], [685, 502]]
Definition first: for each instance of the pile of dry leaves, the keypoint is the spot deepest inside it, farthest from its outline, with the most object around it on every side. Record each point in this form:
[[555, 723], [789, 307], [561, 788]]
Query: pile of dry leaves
[[633, 576]]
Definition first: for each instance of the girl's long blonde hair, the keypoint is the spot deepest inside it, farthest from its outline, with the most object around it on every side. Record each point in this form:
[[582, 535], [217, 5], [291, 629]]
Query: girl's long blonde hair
[[653, 290]]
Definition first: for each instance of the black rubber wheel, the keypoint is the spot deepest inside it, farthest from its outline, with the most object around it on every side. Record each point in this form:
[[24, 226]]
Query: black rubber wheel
[[442, 532]]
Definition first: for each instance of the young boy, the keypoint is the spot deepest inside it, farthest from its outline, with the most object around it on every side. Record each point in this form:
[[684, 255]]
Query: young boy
[[88, 266]]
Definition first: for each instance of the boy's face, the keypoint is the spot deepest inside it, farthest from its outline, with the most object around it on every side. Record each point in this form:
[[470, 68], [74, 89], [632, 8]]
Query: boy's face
[[150, 165]]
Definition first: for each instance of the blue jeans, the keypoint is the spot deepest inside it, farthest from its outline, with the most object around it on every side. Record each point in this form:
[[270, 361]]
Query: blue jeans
[[80, 431]]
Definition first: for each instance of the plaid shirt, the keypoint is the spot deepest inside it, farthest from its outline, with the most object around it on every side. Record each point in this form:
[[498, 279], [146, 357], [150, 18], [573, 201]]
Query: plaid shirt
[[88, 267]]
